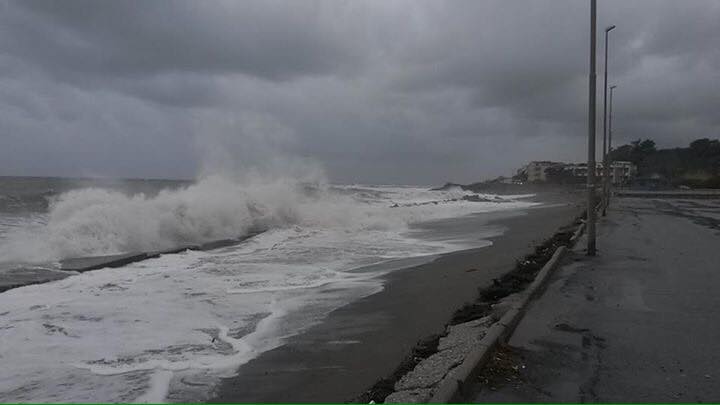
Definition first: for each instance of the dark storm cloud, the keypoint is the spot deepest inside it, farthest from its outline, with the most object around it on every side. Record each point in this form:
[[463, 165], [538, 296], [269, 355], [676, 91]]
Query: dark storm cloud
[[381, 91], [134, 38]]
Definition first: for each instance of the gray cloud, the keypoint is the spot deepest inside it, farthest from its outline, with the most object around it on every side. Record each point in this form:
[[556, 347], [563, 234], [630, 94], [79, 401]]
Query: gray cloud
[[375, 91], [136, 38]]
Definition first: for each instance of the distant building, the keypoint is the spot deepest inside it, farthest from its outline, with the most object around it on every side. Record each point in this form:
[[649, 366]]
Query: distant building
[[621, 172], [536, 170]]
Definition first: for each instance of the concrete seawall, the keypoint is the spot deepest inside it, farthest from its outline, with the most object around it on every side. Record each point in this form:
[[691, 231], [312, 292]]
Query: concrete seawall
[[28, 276]]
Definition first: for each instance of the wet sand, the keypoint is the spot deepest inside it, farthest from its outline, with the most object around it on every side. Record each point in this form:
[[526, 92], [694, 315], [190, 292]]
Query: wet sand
[[338, 359]]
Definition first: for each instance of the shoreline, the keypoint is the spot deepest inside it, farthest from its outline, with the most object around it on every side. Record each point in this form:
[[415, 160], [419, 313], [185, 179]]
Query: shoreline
[[341, 357], [479, 229], [27, 274]]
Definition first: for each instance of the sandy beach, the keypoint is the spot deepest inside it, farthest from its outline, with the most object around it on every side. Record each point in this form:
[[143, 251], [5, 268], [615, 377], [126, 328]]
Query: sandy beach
[[338, 359]]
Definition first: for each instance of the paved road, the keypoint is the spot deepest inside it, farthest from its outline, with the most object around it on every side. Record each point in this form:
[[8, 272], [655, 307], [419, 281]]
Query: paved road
[[638, 323]]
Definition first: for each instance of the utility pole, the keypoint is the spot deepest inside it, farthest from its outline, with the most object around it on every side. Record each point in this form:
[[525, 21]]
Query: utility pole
[[610, 139], [606, 168], [591, 248]]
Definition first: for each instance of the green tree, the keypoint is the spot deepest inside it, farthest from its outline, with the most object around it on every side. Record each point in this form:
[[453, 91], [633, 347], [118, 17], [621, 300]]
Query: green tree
[[705, 147], [697, 165], [637, 152]]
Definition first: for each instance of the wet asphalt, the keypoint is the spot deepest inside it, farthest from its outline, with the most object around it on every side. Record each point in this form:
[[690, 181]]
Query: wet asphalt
[[637, 323]]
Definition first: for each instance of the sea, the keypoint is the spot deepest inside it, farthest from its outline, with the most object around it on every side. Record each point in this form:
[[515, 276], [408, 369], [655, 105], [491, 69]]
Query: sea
[[169, 328]]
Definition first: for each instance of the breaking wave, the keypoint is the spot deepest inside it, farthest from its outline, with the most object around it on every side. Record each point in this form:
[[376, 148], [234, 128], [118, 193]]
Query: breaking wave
[[97, 221]]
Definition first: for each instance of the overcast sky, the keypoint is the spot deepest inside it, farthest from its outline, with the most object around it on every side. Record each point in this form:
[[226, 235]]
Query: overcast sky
[[386, 91]]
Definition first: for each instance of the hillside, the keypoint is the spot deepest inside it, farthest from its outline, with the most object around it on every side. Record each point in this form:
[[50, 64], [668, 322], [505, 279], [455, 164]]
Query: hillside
[[697, 165]]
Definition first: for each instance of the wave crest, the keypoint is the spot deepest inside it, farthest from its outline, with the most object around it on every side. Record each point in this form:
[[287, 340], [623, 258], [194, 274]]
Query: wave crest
[[95, 221]]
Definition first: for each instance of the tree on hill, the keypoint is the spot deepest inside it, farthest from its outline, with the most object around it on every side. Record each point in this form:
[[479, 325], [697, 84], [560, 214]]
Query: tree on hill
[[646, 146], [705, 148], [636, 152], [697, 165]]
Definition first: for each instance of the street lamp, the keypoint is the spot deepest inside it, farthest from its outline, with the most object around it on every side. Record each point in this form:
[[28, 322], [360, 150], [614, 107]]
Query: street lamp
[[591, 248], [606, 168], [610, 138]]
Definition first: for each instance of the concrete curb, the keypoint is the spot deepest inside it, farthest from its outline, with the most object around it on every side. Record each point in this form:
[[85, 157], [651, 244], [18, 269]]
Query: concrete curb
[[578, 233], [693, 195], [451, 387]]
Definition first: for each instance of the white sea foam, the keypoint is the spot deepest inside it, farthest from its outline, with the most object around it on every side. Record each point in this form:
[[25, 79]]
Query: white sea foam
[[97, 221], [88, 222], [122, 334], [169, 328]]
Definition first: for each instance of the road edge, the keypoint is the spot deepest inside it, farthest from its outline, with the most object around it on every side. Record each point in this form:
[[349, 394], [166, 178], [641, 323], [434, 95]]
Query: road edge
[[451, 386]]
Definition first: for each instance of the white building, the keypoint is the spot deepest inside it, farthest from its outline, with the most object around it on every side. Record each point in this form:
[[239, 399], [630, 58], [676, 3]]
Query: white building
[[621, 172], [536, 170]]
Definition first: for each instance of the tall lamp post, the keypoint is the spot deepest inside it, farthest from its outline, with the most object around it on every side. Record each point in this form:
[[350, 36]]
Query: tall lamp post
[[591, 248], [606, 168], [609, 159]]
